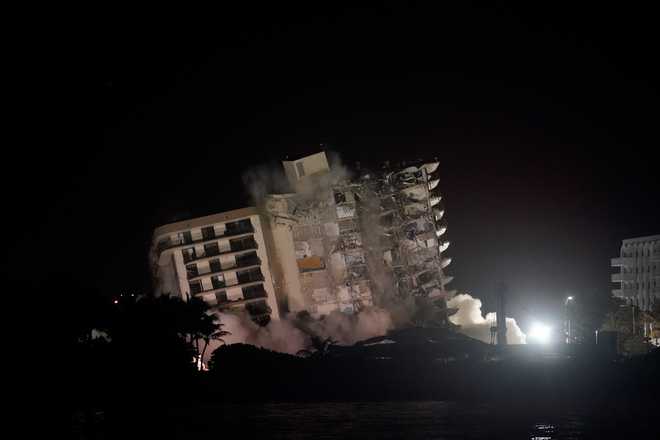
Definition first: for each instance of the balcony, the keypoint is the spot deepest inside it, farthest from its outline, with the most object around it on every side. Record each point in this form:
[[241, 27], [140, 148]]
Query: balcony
[[192, 271], [236, 245], [624, 293], [216, 268], [242, 244], [254, 292], [445, 262], [218, 283], [251, 293], [258, 308], [197, 291], [246, 260], [249, 276], [622, 277], [206, 237], [622, 261]]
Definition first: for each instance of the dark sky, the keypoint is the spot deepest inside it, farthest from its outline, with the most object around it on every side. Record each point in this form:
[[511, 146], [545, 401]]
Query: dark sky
[[544, 121]]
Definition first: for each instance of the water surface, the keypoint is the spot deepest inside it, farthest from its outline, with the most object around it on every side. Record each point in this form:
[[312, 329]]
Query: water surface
[[413, 420]]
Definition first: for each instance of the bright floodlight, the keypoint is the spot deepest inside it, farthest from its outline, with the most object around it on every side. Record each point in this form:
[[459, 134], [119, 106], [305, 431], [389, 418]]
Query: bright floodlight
[[570, 298], [539, 333]]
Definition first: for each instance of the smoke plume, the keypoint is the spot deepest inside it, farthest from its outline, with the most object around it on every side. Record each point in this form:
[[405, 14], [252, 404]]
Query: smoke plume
[[291, 335], [472, 322], [265, 179], [348, 329]]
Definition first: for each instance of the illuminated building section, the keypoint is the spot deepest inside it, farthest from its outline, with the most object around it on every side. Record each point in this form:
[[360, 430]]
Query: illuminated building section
[[220, 258], [639, 274]]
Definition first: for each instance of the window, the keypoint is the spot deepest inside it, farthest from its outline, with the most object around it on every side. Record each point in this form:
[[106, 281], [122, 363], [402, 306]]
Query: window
[[189, 254], [184, 237], [249, 276], [258, 308], [218, 281], [249, 259], [300, 169], [239, 244], [211, 249], [214, 266], [252, 292], [239, 227], [208, 233], [192, 271], [164, 243], [221, 297], [195, 286]]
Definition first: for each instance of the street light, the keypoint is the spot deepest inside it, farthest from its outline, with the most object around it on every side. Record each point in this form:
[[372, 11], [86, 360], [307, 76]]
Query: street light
[[540, 333]]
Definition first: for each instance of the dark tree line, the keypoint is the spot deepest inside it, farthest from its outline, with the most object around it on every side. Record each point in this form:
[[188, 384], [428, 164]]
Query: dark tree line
[[133, 353]]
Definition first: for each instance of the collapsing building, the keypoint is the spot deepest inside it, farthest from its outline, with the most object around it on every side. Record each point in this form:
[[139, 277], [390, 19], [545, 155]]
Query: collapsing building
[[340, 242], [220, 258]]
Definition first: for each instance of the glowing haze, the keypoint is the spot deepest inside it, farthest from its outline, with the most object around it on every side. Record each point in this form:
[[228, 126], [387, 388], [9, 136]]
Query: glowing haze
[[475, 325]]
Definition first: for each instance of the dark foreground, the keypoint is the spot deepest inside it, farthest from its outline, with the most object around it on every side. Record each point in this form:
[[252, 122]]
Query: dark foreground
[[259, 394], [395, 420]]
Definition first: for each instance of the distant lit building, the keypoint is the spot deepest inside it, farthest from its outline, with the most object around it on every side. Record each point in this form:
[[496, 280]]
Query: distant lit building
[[220, 258], [639, 275]]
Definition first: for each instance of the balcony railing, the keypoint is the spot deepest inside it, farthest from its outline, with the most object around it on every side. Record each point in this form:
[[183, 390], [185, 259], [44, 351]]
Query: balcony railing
[[258, 308], [217, 284], [215, 267], [242, 245], [250, 261], [250, 294], [254, 292], [170, 243], [622, 261], [249, 276], [622, 277]]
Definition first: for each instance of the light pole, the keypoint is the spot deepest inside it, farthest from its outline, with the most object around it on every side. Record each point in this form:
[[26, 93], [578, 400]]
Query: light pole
[[568, 319]]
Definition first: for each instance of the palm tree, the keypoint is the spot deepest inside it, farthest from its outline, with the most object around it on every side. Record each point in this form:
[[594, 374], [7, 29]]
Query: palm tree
[[215, 336], [201, 326]]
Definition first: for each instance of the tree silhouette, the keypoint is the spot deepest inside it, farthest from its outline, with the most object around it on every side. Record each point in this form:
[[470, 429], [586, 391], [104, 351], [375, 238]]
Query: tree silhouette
[[319, 347]]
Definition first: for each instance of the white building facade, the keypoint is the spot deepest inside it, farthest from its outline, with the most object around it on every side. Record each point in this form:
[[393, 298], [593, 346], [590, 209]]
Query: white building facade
[[221, 258], [638, 278]]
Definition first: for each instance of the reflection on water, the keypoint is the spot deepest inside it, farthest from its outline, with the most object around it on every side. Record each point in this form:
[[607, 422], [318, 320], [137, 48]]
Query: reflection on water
[[409, 420]]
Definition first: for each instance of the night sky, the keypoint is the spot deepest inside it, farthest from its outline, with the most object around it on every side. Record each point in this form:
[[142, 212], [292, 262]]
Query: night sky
[[544, 122]]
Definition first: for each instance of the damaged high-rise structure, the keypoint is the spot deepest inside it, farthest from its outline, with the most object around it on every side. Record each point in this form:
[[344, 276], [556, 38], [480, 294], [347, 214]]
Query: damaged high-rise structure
[[338, 241]]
